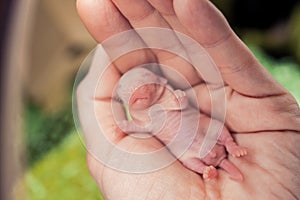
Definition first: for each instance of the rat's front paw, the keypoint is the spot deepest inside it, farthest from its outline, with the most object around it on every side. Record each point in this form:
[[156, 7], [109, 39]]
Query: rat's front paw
[[181, 98], [179, 94], [210, 172], [237, 151]]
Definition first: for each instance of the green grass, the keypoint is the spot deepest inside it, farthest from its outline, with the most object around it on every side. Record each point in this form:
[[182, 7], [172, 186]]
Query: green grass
[[44, 130], [62, 174]]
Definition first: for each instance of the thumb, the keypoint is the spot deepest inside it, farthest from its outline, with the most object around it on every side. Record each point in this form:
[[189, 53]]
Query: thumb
[[238, 66]]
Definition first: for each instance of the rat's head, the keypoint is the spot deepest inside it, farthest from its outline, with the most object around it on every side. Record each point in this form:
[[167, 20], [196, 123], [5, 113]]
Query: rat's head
[[139, 88]]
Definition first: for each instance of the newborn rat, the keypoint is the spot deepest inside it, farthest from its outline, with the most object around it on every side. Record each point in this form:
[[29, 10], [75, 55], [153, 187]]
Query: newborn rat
[[157, 108]]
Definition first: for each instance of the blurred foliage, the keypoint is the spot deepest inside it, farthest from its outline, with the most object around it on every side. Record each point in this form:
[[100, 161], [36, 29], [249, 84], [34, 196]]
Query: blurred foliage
[[285, 70], [44, 130], [277, 31], [295, 31], [62, 174], [225, 6]]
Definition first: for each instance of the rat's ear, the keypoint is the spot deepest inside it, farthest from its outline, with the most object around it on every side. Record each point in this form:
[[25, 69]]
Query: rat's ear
[[162, 80]]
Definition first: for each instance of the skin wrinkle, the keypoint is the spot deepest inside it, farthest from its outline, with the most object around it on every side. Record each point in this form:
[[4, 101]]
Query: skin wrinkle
[[274, 195], [190, 191], [166, 190], [293, 108], [205, 8], [173, 57], [290, 110], [147, 55], [150, 189], [217, 42], [194, 181], [289, 152], [108, 169], [177, 185], [164, 11], [168, 14], [111, 16], [163, 195], [168, 56], [221, 188], [146, 9], [287, 189], [204, 105], [260, 167], [102, 99], [247, 63], [139, 180], [275, 95], [104, 19], [268, 171], [294, 118], [127, 39], [148, 14], [263, 131], [290, 105], [229, 92], [205, 192], [269, 103]]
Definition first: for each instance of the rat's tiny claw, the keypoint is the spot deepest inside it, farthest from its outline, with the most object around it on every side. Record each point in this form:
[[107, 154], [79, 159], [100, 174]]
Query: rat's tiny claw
[[237, 151], [210, 172]]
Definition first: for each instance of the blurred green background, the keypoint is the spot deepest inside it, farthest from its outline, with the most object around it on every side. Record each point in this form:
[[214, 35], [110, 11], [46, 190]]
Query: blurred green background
[[56, 167]]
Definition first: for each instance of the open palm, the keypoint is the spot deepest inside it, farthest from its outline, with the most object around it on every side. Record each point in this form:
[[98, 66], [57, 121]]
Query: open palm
[[263, 116]]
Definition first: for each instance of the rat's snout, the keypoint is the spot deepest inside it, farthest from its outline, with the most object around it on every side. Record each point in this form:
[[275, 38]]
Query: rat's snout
[[144, 89]]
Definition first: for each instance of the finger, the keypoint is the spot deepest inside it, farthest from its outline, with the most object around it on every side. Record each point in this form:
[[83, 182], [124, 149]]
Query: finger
[[103, 20], [167, 11], [94, 101], [238, 66], [141, 14]]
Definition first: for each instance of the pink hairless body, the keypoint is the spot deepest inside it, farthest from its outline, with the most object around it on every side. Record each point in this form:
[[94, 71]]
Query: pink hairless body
[[150, 99]]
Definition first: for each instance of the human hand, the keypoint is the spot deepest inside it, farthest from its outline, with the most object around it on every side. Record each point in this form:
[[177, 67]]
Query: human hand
[[264, 116]]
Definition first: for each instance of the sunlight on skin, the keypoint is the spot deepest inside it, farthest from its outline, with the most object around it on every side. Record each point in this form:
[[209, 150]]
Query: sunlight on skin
[[262, 113]]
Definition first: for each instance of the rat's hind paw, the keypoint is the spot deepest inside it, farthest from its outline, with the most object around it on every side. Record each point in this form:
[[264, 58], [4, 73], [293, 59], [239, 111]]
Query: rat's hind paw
[[237, 151], [210, 172]]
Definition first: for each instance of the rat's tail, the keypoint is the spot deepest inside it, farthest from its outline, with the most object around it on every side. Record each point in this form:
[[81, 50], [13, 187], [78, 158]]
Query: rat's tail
[[232, 170]]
